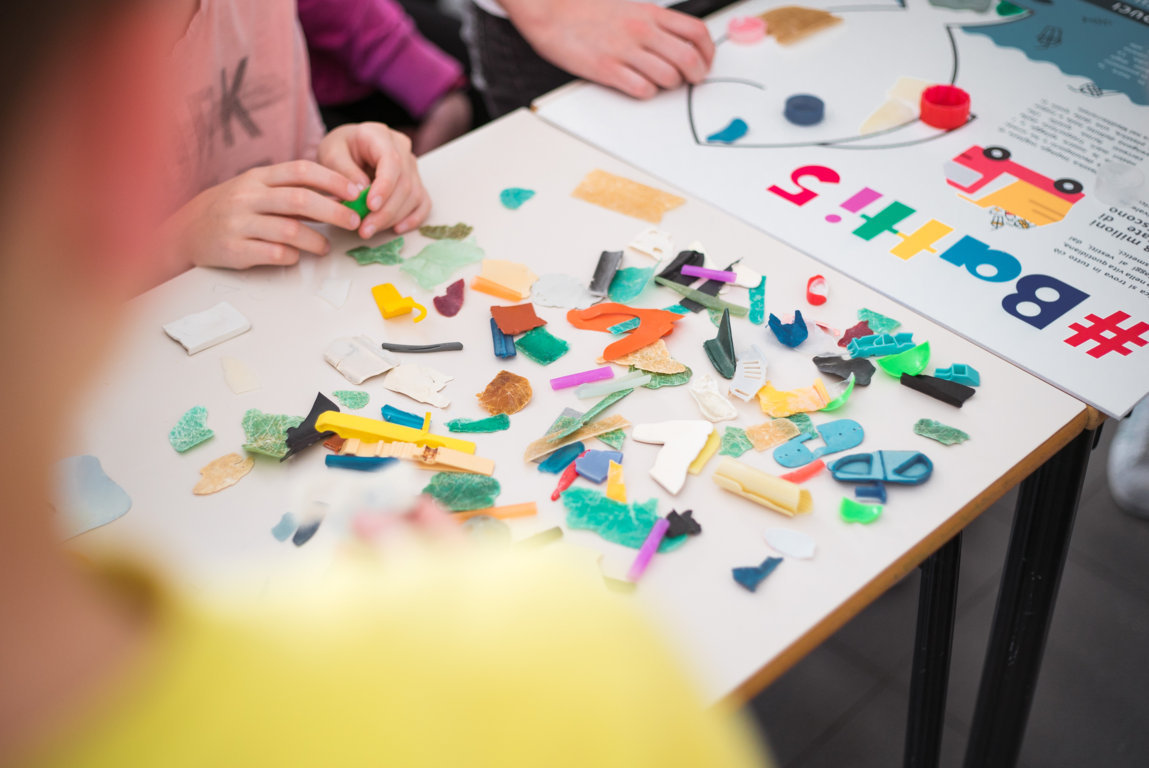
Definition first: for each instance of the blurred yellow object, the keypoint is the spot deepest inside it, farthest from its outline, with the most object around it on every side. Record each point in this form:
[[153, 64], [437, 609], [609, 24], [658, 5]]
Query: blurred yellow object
[[348, 425]]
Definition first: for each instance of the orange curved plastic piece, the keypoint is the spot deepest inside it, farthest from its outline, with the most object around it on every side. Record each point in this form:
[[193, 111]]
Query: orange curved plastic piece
[[653, 324]]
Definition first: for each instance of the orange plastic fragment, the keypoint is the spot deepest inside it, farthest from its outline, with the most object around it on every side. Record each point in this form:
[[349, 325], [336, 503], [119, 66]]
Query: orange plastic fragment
[[505, 512], [494, 289], [802, 474], [653, 324], [507, 393], [519, 318], [772, 433]]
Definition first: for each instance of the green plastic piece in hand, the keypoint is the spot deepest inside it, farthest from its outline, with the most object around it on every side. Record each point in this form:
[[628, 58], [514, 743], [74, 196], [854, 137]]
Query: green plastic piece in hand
[[734, 442], [440, 259], [386, 254], [490, 424], [852, 511], [541, 345], [352, 398], [935, 430], [359, 204], [461, 491], [190, 430], [913, 361], [266, 433], [625, 524]]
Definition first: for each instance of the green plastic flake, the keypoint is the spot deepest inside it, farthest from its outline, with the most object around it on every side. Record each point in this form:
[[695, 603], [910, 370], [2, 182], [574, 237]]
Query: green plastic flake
[[758, 303], [720, 349], [490, 424], [624, 326], [352, 398], [803, 422], [878, 323], [266, 433], [853, 511], [443, 232], [935, 430], [512, 198], [841, 399], [613, 439], [734, 442], [660, 380], [462, 491], [387, 253], [541, 345], [705, 299], [190, 430], [605, 403], [440, 259], [625, 524], [913, 361], [628, 283], [568, 424], [715, 317], [677, 309]]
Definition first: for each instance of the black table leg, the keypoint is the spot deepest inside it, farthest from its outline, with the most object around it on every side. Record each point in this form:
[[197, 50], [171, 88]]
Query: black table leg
[[933, 641], [1038, 546]]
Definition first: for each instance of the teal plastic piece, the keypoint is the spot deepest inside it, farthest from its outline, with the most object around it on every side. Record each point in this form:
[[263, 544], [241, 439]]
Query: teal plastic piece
[[913, 361], [803, 422], [626, 325], [513, 198], [750, 578], [880, 344], [558, 461], [878, 323], [758, 302], [541, 345], [190, 430], [733, 131], [614, 439], [734, 442], [625, 524], [359, 204], [460, 491], [901, 467], [935, 430], [838, 436], [495, 423], [677, 309], [285, 528], [628, 283], [852, 511], [961, 373], [720, 349], [352, 398], [843, 398], [504, 344], [359, 463], [396, 416], [789, 334]]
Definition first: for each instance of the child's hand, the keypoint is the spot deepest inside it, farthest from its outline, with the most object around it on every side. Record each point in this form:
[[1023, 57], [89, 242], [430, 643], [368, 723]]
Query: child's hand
[[397, 199], [636, 48], [257, 217], [447, 120]]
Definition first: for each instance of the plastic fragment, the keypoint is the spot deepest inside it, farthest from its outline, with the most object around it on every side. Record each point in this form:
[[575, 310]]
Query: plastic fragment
[[604, 272], [720, 349], [305, 532], [446, 232], [614, 439], [749, 374], [615, 485], [628, 283], [935, 430], [875, 491], [722, 276], [913, 361], [623, 327], [440, 259], [758, 303], [712, 404], [334, 444], [961, 373], [562, 291], [359, 204], [672, 272], [403, 418], [817, 291], [804, 423], [358, 463], [652, 242], [852, 511], [702, 298], [733, 131], [591, 414], [566, 478], [947, 106], [506, 393], [560, 459], [769, 491], [515, 319], [84, 496], [734, 442], [190, 430], [386, 254], [285, 528], [418, 382], [779, 403], [647, 550], [496, 423], [222, 473], [790, 543], [334, 291], [508, 280], [804, 473], [804, 109], [201, 330], [513, 198], [839, 394], [880, 345], [449, 304], [858, 331], [844, 367], [594, 465], [713, 443], [750, 578], [681, 441], [547, 444], [746, 30], [304, 434], [625, 196], [504, 345], [789, 334], [900, 467], [682, 524], [653, 325], [660, 380], [542, 346], [772, 433], [423, 455], [609, 386], [238, 376], [625, 524], [837, 436], [505, 512], [459, 492], [582, 377], [949, 392], [877, 322], [357, 359], [266, 433], [654, 358]]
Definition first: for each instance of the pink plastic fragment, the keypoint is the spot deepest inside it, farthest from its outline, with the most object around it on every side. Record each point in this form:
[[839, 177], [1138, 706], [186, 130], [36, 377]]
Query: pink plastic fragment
[[817, 291], [746, 30], [566, 478], [720, 275], [583, 377], [802, 474], [451, 302], [649, 547]]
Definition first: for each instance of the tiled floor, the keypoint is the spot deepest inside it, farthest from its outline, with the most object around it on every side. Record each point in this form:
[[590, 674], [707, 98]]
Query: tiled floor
[[845, 704]]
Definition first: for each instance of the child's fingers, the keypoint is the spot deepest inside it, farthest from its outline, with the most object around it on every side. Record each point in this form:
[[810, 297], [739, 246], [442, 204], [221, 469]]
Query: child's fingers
[[417, 217], [256, 252], [304, 173], [288, 231], [341, 158], [682, 55], [654, 68], [398, 204], [623, 78], [690, 29], [307, 204]]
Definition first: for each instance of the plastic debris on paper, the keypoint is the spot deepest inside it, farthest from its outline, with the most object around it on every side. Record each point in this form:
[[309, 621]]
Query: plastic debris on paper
[[625, 196]]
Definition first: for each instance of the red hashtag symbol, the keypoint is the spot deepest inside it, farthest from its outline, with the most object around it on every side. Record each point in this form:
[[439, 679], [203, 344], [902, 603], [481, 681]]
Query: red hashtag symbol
[[1107, 334]]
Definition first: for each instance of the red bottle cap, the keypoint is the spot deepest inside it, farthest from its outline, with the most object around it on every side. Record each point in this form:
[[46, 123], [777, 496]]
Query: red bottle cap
[[945, 106]]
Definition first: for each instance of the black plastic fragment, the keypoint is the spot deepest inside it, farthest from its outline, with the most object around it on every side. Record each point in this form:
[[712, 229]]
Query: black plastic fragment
[[446, 346], [608, 264], [949, 392], [305, 435], [842, 367], [682, 524]]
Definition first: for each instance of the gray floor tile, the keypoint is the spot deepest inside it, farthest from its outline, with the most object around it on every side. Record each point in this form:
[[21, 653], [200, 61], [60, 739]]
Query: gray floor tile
[[1110, 543]]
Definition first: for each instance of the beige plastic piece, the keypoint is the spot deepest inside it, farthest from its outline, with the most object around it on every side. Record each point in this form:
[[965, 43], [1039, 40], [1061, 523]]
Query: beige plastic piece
[[544, 447], [424, 456], [513, 278], [892, 113], [626, 196], [239, 377], [772, 492]]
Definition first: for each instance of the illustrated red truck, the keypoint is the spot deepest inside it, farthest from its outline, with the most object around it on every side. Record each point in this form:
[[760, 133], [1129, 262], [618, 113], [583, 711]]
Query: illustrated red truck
[[1010, 186]]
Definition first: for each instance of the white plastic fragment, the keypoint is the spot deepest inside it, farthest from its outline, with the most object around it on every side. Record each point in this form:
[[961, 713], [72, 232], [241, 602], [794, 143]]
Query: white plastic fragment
[[419, 382], [790, 543], [358, 358], [745, 277], [681, 441], [713, 405], [334, 291], [561, 290], [602, 388], [749, 374], [653, 242], [239, 377], [201, 330]]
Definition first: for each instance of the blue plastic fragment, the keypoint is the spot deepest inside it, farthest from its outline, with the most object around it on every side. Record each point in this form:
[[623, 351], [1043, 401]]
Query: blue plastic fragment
[[513, 197], [872, 491], [595, 464], [504, 344], [961, 373], [284, 529], [734, 131], [750, 578], [361, 463], [804, 109], [880, 344], [558, 461], [789, 334], [304, 533], [628, 325], [839, 435], [677, 309], [405, 418], [902, 467]]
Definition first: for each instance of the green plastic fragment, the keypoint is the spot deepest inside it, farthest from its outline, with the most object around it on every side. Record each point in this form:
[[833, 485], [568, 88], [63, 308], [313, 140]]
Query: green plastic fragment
[[614, 439], [628, 283], [359, 204], [266, 433], [852, 511], [677, 309], [490, 424], [512, 198], [462, 491], [935, 430], [1005, 8], [625, 524], [715, 317], [541, 345], [567, 423], [441, 259], [660, 380], [190, 430], [720, 349], [734, 442], [624, 326], [597, 409], [705, 299], [758, 302], [387, 253], [352, 398], [841, 399], [803, 422], [446, 232], [878, 323], [913, 361]]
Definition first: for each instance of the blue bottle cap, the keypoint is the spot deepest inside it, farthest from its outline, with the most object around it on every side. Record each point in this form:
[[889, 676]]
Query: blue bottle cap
[[804, 109]]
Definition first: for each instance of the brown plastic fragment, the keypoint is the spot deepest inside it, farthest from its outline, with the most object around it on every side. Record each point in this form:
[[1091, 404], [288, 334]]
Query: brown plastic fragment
[[507, 393], [518, 318]]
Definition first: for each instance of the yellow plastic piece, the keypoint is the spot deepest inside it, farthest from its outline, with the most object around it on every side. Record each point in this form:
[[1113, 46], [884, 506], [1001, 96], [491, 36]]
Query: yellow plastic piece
[[350, 426], [615, 486], [425, 456], [391, 304], [780, 403], [713, 443], [770, 491]]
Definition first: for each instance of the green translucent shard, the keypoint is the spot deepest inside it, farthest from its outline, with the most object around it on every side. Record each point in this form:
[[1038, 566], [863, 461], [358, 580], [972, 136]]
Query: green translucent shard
[[758, 303], [705, 299], [842, 398], [490, 424], [625, 524], [613, 439], [444, 232], [715, 317], [734, 442], [628, 283], [441, 259], [878, 323], [541, 345], [624, 326], [660, 380], [352, 398], [266, 433], [387, 253], [935, 430], [462, 491], [803, 422], [567, 424], [190, 430], [913, 361], [853, 511]]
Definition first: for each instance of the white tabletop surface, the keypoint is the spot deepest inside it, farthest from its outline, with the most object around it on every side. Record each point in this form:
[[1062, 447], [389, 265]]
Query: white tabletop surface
[[727, 632]]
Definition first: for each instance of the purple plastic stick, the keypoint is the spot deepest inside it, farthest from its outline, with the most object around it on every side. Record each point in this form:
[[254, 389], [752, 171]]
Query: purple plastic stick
[[573, 380], [649, 547], [710, 274]]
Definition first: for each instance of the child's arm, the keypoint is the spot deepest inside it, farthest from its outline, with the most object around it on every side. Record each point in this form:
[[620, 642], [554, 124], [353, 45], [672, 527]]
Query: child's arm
[[636, 48]]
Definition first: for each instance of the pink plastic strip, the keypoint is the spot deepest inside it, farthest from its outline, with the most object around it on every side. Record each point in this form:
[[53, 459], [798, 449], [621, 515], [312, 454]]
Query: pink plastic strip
[[710, 274], [584, 377], [649, 547]]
